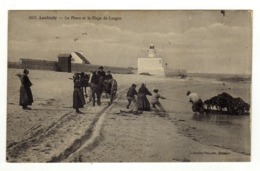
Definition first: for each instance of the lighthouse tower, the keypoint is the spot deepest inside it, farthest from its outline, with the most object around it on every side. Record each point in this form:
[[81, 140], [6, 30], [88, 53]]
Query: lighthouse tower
[[151, 64], [152, 51]]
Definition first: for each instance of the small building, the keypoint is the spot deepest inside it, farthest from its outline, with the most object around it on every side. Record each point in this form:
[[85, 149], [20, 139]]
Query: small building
[[64, 62], [151, 64], [79, 58]]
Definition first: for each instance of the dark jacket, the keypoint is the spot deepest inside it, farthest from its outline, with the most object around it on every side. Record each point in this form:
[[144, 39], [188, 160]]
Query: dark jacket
[[131, 92], [94, 79], [101, 74]]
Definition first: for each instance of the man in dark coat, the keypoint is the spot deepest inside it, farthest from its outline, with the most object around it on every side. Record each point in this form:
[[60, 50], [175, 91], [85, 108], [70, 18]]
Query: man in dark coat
[[101, 72], [95, 89], [131, 93], [26, 97]]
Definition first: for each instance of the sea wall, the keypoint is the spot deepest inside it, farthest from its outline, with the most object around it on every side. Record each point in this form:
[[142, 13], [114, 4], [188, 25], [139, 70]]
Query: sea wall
[[53, 66]]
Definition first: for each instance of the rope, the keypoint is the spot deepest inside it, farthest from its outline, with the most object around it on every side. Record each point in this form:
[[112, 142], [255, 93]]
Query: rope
[[176, 100]]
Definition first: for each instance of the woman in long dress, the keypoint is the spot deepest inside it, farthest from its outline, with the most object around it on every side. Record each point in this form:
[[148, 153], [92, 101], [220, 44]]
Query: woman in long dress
[[142, 101], [78, 97], [26, 97]]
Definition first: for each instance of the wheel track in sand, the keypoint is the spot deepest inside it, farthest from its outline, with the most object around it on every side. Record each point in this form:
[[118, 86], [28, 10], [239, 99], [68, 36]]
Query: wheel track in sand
[[88, 140], [17, 147], [37, 135]]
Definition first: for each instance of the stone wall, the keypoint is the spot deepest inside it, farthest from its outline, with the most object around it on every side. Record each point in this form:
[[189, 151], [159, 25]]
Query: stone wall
[[53, 66], [39, 64], [17, 65], [90, 67]]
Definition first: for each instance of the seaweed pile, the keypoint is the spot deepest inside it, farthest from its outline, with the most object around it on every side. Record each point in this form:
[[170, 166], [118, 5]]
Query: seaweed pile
[[225, 102]]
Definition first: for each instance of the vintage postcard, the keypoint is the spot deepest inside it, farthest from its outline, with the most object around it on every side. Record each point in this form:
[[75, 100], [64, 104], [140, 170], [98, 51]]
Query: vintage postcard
[[129, 86]]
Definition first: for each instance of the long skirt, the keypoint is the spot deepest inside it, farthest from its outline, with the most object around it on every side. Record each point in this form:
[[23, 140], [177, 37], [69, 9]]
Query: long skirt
[[78, 98], [26, 97], [143, 103]]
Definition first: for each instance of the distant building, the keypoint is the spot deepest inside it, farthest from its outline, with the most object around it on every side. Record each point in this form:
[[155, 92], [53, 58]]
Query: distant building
[[151, 64], [79, 58], [64, 62]]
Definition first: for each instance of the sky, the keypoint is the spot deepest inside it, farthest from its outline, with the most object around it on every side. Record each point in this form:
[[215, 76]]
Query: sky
[[202, 41]]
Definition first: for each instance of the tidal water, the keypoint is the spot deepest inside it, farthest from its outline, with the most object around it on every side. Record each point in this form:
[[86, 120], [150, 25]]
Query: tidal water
[[224, 131]]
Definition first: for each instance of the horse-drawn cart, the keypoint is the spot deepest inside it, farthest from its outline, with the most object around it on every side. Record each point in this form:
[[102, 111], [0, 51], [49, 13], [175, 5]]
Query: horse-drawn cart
[[110, 87]]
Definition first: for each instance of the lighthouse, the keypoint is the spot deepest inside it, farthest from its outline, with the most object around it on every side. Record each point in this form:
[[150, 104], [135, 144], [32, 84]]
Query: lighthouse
[[151, 64], [151, 51]]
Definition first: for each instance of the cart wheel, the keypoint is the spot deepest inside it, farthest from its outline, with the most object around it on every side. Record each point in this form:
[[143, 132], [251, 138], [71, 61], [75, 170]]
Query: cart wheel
[[113, 90]]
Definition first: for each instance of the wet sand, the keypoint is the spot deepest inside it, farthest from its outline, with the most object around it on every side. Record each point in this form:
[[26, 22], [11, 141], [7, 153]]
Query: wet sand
[[53, 132]]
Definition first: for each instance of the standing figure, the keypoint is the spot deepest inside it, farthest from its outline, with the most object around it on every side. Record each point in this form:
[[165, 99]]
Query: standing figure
[[26, 97], [197, 104], [101, 75], [109, 75], [131, 93], [96, 89], [155, 100], [78, 97], [142, 101], [101, 72]]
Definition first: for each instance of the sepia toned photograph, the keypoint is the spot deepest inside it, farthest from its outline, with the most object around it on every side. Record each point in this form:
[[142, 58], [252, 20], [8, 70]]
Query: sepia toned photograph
[[98, 86]]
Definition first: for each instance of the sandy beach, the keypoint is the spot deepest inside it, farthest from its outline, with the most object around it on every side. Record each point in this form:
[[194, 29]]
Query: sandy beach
[[53, 132]]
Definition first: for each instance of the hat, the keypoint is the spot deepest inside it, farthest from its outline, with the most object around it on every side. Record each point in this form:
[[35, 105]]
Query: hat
[[155, 90], [188, 92], [101, 67], [133, 85]]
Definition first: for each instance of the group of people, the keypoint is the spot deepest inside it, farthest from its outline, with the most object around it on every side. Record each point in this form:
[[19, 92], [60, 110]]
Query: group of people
[[94, 81], [141, 103]]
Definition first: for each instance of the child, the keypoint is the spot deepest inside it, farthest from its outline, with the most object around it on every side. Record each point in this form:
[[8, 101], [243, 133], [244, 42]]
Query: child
[[155, 100]]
